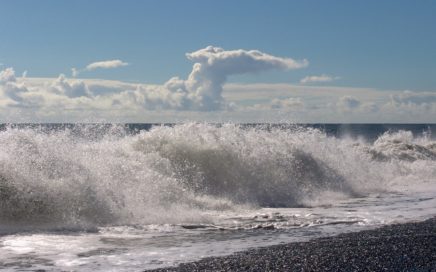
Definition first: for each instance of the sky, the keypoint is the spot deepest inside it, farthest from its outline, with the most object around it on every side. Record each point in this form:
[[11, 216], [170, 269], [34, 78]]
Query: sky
[[240, 61]]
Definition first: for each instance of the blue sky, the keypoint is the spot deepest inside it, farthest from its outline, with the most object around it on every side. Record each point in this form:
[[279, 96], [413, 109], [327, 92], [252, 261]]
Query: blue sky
[[384, 45]]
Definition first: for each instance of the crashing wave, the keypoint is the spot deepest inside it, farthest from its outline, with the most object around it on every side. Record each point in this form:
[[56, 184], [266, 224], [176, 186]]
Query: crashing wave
[[402, 145], [101, 176]]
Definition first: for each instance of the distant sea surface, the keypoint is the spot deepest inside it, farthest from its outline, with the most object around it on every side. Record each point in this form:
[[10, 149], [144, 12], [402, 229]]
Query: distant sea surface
[[127, 197]]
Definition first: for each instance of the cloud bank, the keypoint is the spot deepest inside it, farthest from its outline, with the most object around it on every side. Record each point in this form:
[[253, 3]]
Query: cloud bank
[[204, 95], [201, 91]]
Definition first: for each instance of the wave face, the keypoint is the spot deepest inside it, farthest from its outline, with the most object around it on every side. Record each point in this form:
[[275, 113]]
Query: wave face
[[90, 175]]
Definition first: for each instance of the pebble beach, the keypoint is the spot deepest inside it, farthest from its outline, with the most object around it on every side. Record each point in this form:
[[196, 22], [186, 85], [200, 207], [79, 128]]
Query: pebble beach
[[398, 247]]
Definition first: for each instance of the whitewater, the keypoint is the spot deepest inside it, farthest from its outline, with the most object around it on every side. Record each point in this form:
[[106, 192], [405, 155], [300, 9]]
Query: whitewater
[[111, 197]]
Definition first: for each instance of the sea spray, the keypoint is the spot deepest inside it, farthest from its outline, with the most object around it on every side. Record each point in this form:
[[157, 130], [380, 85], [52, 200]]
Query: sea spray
[[100, 175]]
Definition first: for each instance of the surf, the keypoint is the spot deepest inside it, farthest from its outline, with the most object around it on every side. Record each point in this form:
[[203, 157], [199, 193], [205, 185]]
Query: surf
[[84, 176]]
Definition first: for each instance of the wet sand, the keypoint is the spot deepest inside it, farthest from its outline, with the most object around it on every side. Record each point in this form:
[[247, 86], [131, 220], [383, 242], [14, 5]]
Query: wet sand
[[400, 247]]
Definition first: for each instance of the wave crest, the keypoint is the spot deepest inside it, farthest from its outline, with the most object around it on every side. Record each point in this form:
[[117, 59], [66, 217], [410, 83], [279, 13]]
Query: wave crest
[[402, 145]]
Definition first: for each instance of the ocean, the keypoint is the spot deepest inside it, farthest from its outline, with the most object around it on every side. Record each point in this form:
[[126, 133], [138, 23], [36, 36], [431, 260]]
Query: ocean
[[129, 197]]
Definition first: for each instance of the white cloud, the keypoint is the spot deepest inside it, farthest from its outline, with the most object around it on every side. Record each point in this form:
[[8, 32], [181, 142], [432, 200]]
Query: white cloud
[[73, 100], [61, 86], [408, 97], [212, 67], [317, 79], [14, 92], [349, 104], [11, 91], [333, 104], [7, 75], [287, 103], [201, 91], [74, 72], [409, 106], [370, 107], [204, 95], [242, 61], [106, 64]]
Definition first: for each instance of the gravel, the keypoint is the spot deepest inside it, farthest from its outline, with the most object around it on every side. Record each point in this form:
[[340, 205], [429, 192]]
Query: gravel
[[400, 247]]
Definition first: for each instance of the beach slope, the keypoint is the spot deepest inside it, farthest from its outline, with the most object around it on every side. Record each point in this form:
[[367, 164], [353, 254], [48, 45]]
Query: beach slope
[[399, 247]]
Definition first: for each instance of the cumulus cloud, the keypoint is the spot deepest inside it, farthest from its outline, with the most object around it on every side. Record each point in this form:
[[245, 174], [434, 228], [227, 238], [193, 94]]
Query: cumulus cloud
[[408, 97], [213, 65], [317, 79], [65, 99], [61, 86], [348, 103], [10, 90], [15, 92], [201, 91], [412, 106], [205, 90], [7, 75]]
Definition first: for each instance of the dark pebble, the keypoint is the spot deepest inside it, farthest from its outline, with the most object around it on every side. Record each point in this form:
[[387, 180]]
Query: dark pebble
[[401, 247]]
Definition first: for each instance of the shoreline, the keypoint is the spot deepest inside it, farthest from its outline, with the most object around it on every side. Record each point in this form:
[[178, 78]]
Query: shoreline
[[397, 247]]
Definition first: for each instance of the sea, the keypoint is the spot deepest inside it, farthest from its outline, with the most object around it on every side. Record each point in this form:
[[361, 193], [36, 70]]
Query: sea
[[130, 197]]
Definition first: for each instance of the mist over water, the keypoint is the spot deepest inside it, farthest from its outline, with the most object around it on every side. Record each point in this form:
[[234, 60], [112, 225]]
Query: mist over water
[[86, 176]]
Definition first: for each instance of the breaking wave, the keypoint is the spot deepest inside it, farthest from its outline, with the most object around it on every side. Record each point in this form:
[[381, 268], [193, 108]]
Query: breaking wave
[[94, 175], [403, 145]]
